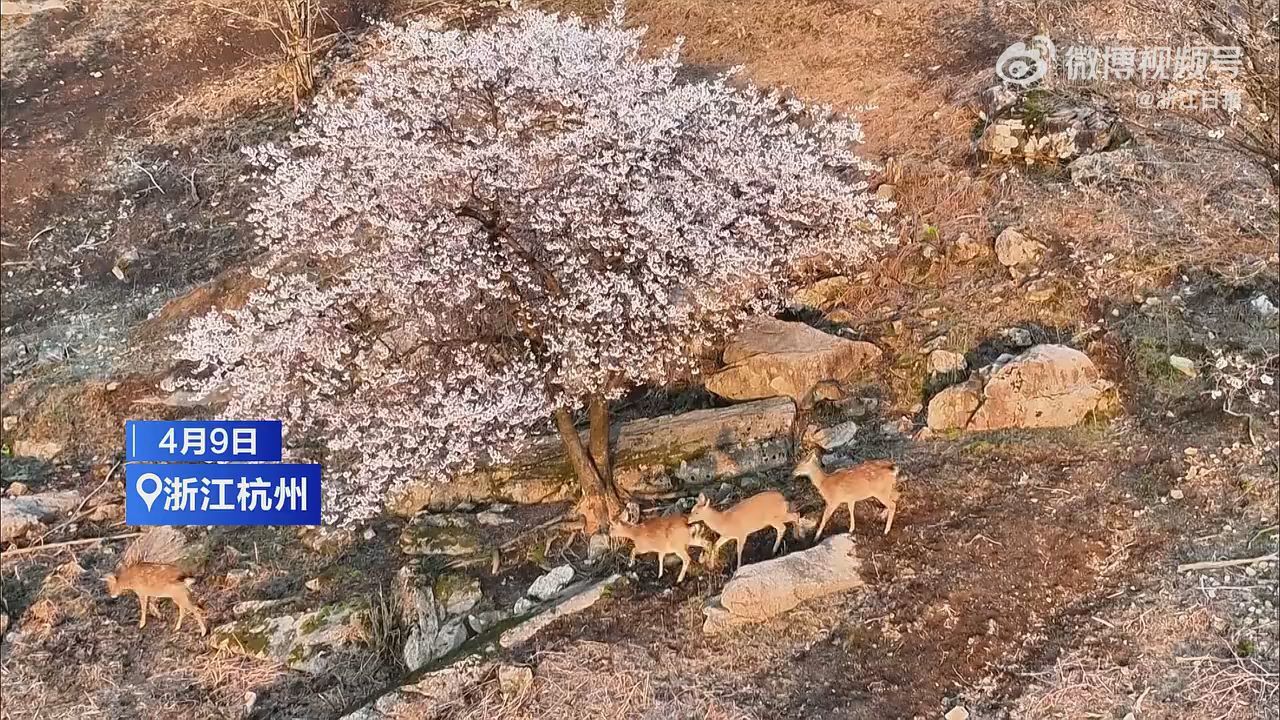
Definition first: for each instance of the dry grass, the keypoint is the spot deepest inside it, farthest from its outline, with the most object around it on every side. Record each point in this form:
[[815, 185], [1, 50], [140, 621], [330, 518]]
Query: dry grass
[[592, 680]]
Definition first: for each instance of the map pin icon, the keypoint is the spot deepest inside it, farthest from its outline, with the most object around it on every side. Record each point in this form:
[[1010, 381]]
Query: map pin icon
[[148, 497]]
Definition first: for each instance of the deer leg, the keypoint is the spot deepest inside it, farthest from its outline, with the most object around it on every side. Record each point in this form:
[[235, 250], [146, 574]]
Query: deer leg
[[662, 557], [684, 564], [741, 542], [782, 530], [827, 512], [633, 558], [144, 601], [181, 611], [184, 603], [851, 516], [891, 507]]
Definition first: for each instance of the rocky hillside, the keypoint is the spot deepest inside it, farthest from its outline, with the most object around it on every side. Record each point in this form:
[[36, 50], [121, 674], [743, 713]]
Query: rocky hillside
[[1071, 355]]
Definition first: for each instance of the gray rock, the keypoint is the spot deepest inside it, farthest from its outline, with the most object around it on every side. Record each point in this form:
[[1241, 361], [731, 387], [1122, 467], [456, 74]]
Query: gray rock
[[1017, 337], [1184, 365], [836, 436], [524, 605], [21, 514], [1263, 306], [597, 548], [766, 589], [550, 584], [483, 622], [573, 602]]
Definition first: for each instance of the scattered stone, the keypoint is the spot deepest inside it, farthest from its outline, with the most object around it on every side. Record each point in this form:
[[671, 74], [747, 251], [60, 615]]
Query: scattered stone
[[573, 602], [250, 700], [1264, 307], [482, 622], [1175, 494], [20, 515], [945, 362], [836, 436], [1017, 337], [1046, 386], [113, 386], [43, 449], [10, 422], [1018, 252], [772, 358], [524, 605], [763, 590], [369, 534], [886, 191], [550, 584], [17, 489], [514, 680], [966, 249], [958, 712], [1186, 366]]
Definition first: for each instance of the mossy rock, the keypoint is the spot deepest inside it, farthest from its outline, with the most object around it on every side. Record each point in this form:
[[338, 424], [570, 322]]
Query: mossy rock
[[457, 593], [450, 534], [305, 642]]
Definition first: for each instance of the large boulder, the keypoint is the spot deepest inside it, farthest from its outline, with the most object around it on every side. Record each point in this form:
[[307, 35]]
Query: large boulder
[[695, 447], [1046, 386], [21, 514], [775, 358], [763, 590]]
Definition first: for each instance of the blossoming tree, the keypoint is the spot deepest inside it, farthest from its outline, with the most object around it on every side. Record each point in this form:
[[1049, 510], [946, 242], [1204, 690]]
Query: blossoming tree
[[499, 228]]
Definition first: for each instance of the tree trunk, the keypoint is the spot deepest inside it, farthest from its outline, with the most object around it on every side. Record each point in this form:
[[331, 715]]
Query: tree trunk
[[598, 411], [600, 503]]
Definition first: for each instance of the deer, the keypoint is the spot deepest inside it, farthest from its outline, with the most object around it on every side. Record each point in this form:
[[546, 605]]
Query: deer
[[762, 510], [662, 535], [148, 570], [872, 479]]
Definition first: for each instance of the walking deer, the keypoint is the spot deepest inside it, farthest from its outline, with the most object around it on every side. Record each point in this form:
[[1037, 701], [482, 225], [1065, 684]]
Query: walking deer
[[662, 535], [873, 479], [762, 510]]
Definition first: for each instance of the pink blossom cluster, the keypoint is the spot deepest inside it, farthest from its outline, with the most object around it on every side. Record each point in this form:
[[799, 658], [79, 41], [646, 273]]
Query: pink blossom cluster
[[493, 224]]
